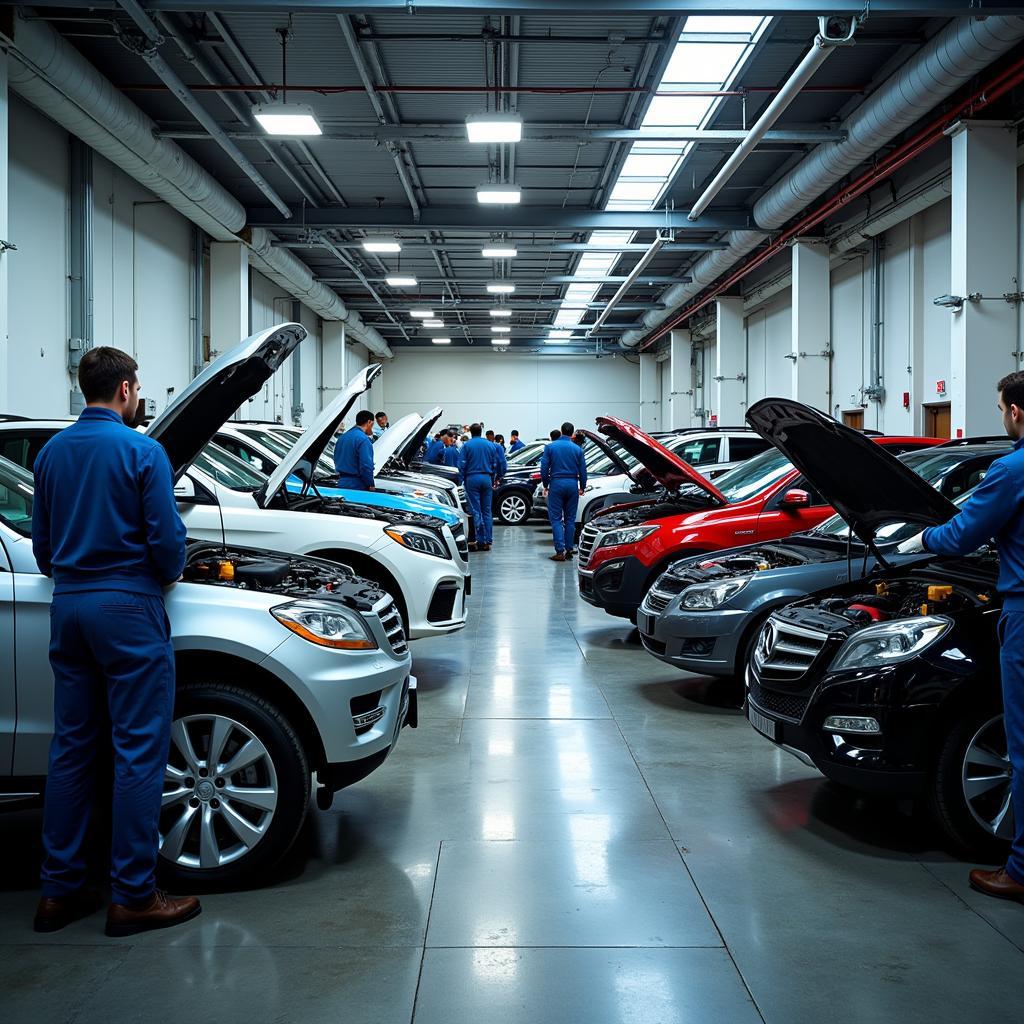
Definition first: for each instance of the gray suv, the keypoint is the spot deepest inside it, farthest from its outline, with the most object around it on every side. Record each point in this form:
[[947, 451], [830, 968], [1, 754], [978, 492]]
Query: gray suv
[[287, 667]]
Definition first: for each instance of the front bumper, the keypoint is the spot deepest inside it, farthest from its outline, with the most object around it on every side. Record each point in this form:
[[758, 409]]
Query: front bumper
[[618, 585], [705, 642]]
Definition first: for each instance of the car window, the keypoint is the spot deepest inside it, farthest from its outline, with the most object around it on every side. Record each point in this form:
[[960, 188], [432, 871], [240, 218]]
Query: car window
[[754, 476], [701, 451], [743, 448], [16, 498], [228, 470], [272, 442], [22, 448]]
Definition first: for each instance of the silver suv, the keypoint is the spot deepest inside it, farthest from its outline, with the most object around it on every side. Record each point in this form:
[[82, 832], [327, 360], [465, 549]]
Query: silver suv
[[287, 667]]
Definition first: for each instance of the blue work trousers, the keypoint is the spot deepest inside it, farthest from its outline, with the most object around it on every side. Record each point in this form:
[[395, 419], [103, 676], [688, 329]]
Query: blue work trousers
[[1011, 664], [563, 501], [350, 483], [479, 494], [113, 674]]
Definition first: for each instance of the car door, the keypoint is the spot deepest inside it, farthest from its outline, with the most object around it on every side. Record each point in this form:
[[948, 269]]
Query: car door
[[776, 520], [21, 445]]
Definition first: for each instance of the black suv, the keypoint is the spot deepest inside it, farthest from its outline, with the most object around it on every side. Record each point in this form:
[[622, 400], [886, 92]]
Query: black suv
[[889, 684]]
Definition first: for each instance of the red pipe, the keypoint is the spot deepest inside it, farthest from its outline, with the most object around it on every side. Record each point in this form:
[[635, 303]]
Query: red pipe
[[932, 133]]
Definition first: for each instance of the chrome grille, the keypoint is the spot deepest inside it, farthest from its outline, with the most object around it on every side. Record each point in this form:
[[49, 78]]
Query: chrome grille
[[461, 543], [665, 587], [786, 705], [588, 540], [786, 651], [391, 620]]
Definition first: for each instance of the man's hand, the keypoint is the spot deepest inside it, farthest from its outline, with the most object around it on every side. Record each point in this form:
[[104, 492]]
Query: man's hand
[[581, 492], [912, 546], [546, 489]]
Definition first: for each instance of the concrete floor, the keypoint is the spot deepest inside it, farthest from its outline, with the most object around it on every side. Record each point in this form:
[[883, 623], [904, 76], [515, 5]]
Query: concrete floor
[[576, 833]]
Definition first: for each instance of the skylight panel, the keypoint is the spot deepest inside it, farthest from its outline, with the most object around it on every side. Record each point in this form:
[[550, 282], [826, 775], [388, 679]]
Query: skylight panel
[[702, 62], [727, 23], [649, 164], [676, 111]]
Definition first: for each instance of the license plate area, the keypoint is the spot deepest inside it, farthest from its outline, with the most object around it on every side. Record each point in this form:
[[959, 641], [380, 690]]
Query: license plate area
[[763, 724], [645, 623]]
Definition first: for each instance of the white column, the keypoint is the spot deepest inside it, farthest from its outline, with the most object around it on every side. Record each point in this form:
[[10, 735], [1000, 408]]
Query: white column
[[650, 393], [5, 258], [984, 260], [811, 324], [229, 295], [334, 372], [680, 370], [730, 394]]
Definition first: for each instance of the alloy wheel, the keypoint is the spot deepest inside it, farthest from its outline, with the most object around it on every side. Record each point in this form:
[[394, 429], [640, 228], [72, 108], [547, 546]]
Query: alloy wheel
[[220, 792], [986, 777], [513, 509]]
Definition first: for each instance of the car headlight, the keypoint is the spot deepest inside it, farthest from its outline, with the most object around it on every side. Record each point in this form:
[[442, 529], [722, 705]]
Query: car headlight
[[326, 624], [418, 540], [712, 595], [890, 642], [630, 535]]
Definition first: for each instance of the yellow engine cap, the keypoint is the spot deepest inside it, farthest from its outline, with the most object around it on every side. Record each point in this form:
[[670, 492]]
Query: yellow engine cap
[[226, 571], [939, 593]]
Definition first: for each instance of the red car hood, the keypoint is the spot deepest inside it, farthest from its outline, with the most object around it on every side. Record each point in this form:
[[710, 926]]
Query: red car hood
[[665, 466]]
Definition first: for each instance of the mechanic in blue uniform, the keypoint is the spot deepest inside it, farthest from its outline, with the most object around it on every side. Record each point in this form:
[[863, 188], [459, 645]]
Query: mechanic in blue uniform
[[502, 461], [995, 509], [515, 445], [478, 463], [435, 451], [563, 472], [451, 456], [353, 454], [106, 528]]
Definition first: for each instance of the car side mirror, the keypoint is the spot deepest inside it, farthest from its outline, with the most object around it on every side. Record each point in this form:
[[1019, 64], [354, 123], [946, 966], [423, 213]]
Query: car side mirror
[[185, 491], [796, 498]]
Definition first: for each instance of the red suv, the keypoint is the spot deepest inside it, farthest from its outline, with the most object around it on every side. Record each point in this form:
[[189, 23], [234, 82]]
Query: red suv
[[623, 550]]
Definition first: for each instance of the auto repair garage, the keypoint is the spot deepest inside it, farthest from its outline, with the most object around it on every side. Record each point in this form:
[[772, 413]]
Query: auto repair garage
[[568, 562]]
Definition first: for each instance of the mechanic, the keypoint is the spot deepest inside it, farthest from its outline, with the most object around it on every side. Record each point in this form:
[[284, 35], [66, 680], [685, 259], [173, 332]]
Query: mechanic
[[435, 450], [478, 464], [353, 454], [515, 444], [563, 472], [502, 461], [450, 456], [995, 509], [106, 528], [380, 424]]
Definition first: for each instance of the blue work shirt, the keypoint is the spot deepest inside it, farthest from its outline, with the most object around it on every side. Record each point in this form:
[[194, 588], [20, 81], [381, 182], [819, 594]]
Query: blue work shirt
[[353, 459], [994, 510], [450, 458], [104, 515], [515, 446], [435, 452], [563, 460], [478, 455], [502, 461]]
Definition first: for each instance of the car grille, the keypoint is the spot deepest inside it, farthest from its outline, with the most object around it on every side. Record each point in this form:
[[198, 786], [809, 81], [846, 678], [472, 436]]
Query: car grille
[[787, 705], [461, 544], [786, 651], [588, 539], [661, 593], [391, 620], [442, 604]]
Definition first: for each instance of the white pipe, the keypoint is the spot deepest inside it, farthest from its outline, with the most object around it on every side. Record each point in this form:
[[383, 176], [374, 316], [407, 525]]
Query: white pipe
[[820, 51], [652, 250]]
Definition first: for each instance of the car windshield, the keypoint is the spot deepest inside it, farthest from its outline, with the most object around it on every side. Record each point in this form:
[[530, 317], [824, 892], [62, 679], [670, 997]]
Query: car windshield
[[228, 470], [15, 497], [890, 533], [527, 456], [754, 476], [275, 443]]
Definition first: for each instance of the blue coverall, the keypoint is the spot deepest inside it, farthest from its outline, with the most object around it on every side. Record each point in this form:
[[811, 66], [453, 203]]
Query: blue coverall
[[478, 464], [451, 459], [996, 510], [563, 470], [515, 446], [502, 461], [106, 528], [435, 452], [353, 459]]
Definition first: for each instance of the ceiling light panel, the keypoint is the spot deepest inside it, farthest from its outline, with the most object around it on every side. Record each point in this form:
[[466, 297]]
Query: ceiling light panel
[[494, 128], [293, 119], [499, 253], [499, 195], [379, 243], [441, 341], [501, 313], [422, 314], [501, 287], [401, 282], [433, 323], [501, 329]]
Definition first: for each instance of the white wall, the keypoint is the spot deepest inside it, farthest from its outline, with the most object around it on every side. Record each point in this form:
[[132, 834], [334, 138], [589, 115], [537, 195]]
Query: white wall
[[529, 392]]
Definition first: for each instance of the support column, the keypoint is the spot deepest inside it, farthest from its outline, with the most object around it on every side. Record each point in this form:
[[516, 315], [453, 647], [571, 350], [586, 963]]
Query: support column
[[4, 256], [984, 259], [650, 393], [335, 372], [730, 394], [680, 369], [811, 325], [229, 295]]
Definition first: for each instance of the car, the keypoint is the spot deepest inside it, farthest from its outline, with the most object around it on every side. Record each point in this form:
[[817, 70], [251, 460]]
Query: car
[[415, 558], [890, 684], [624, 550], [713, 451], [287, 667], [704, 613]]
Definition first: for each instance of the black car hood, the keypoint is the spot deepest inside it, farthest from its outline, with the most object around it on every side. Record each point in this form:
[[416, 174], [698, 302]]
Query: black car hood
[[419, 435], [865, 484], [608, 450]]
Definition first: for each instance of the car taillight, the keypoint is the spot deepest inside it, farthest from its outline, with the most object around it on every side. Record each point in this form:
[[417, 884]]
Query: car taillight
[[535, 476]]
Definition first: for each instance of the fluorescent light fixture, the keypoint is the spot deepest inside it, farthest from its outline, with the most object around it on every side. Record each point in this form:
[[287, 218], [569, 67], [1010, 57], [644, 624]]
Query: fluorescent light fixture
[[441, 341], [401, 282], [501, 287], [559, 333], [494, 128], [501, 329], [554, 341], [499, 252], [501, 312], [500, 341], [422, 314], [381, 243], [287, 119], [499, 194], [433, 323]]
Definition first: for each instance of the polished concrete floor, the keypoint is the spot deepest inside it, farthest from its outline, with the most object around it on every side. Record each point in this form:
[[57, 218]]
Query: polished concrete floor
[[575, 833]]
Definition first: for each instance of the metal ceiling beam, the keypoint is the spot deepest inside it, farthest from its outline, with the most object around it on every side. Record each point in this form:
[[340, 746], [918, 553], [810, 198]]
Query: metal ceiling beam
[[516, 307], [520, 218], [556, 279], [462, 248]]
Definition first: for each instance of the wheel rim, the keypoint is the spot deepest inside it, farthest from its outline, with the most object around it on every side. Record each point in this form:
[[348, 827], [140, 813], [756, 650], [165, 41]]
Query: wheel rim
[[513, 509], [986, 778], [220, 792]]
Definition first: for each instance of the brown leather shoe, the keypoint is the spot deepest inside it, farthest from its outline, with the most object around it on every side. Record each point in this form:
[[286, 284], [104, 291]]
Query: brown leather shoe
[[997, 883], [53, 914], [160, 911], [560, 557]]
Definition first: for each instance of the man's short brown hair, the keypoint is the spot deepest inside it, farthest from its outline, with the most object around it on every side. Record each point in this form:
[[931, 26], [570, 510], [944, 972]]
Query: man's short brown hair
[[102, 371], [1011, 387]]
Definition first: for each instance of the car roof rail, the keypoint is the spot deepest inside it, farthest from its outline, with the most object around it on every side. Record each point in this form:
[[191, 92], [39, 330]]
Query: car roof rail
[[10, 417], [957, 442], [699, 430]]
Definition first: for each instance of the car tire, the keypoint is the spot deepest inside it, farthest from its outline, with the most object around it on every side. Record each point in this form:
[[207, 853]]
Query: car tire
[[245, 820], [969, 792], [514, 509]]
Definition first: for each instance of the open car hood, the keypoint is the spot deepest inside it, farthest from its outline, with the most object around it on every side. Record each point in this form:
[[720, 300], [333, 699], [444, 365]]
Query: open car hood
[[303, 455], [188, 424], [865, 484], [419, 435], [666, 467], [608, 450], [393, 441]]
